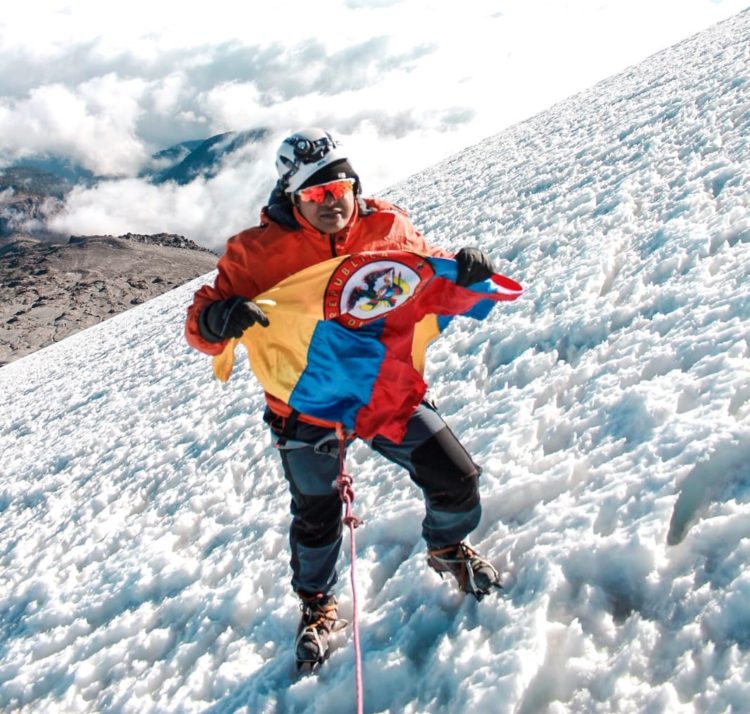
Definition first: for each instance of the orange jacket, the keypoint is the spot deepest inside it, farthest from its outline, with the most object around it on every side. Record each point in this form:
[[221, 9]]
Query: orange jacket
[[258, 258]]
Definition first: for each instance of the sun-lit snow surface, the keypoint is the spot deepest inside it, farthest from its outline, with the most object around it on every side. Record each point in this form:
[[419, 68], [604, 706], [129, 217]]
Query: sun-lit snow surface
[[143, 516]]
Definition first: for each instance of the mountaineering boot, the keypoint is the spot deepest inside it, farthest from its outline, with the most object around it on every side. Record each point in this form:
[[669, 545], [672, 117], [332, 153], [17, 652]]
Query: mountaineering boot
[[319, 619], [473, 573]]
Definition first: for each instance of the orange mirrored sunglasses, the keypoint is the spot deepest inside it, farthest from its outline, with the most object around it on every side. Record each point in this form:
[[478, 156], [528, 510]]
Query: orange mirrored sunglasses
[[317, 194]]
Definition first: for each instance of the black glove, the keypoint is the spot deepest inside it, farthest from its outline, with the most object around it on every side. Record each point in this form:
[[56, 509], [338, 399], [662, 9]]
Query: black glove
[[473, 266], [229, 318]]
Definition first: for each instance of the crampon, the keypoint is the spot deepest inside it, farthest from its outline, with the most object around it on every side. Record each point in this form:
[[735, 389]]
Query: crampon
[[473, 573], [319, 619]]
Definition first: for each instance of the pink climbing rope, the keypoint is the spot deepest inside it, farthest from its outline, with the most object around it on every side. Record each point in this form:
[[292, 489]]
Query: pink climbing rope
[[346, 492]]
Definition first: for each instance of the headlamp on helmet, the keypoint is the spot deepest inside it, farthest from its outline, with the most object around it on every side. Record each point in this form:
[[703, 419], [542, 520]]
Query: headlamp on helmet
[[304, 153]]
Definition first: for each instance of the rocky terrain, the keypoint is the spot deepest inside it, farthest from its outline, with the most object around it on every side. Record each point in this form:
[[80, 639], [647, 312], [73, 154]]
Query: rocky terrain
[[191, 159], [49, 291]]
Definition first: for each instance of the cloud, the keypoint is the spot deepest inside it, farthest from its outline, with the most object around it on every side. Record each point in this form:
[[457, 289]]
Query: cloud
[[208, 211], [94, 125], [360, 4], [279, 72], [400, 124], [110, 112], [108, 85]]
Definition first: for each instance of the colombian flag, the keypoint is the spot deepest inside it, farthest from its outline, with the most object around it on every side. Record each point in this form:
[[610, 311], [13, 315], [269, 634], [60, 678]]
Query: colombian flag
[[347, 337]]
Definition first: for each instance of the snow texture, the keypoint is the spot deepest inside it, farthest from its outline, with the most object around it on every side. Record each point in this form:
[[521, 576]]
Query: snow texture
[[143, 535]]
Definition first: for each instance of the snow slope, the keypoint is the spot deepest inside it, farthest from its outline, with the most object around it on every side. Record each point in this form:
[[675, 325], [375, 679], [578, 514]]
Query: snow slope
[[143, 529]]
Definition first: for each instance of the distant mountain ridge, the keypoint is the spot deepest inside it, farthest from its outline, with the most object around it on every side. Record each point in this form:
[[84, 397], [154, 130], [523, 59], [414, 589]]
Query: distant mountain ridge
[[167, 240], [203, 158], [35, 181]]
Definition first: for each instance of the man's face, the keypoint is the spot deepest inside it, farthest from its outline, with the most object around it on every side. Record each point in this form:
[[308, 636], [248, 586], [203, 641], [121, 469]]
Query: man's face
[[332, 214]]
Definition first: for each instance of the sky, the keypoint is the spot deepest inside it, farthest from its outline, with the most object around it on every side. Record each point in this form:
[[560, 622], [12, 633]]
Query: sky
[[403, 83], [144, 515]]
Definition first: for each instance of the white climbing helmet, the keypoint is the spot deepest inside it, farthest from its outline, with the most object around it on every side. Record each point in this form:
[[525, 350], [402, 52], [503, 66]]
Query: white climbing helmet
[[304, 153]]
